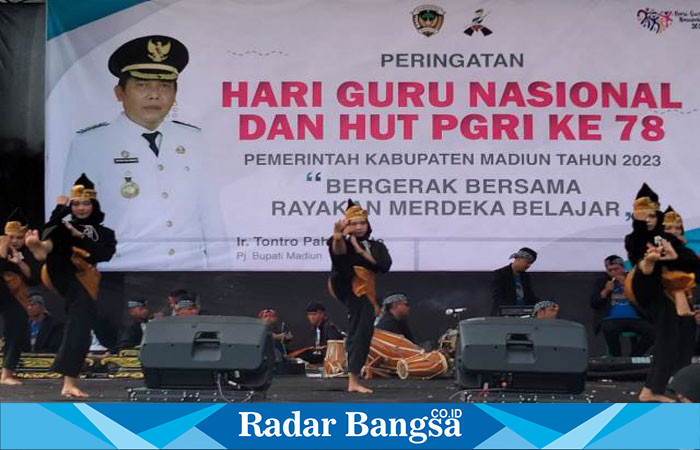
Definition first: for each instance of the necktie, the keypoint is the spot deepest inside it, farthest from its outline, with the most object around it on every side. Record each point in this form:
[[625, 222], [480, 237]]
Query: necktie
[[151, 138]]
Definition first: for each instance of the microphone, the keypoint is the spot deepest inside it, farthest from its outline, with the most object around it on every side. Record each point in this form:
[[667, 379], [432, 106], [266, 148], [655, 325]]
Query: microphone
[[450, 311]]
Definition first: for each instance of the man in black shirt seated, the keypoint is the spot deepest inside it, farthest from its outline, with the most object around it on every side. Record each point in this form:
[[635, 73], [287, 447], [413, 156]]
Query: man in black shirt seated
[[511, 284], [44, 332], [395, 315], [321, 330], [131, 334]]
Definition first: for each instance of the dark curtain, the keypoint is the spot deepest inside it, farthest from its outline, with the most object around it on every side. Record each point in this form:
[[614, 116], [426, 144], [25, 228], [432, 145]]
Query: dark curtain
[[22, 49]]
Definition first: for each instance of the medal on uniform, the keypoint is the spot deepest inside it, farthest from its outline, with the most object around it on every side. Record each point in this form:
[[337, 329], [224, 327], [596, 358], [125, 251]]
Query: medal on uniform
[[180, 150], [129, 188]]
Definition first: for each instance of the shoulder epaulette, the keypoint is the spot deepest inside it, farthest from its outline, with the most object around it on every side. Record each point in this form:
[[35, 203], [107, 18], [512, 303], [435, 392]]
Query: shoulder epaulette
[[187, 125], [92, 127]]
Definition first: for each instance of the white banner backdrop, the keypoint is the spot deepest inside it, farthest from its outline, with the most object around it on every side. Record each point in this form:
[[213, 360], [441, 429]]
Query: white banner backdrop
[[516, 123]]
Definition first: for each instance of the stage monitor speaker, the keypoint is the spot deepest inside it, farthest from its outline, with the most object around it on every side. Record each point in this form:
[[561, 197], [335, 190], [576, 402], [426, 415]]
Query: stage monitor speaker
[[205, 352], [543, 355]]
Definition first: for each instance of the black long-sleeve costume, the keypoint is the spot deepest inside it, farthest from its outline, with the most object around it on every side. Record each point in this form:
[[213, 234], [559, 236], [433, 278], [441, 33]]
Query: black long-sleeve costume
[[360, 309], [11, 308], [503, 288], [62, 272], [674, 335]]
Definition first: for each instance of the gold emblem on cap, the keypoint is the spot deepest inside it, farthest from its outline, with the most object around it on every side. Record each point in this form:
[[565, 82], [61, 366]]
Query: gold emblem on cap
[[125, 154], [129, 189], [158, 52], [180, 150]]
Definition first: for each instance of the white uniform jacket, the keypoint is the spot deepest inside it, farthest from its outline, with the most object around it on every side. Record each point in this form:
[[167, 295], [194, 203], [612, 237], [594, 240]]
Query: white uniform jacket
[[160, 207]]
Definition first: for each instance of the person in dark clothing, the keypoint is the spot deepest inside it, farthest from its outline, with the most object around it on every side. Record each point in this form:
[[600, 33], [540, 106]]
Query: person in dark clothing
[[131, 334], [511, 284], [356, 259], [281, 337], [614, 314], [18, 270], [647, 222], [665, 258], [395, 315], [71, 250], [44, 332], [321, 330]]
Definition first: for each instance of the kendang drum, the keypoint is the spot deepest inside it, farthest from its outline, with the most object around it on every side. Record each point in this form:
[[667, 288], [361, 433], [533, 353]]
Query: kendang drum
[[385, 351], [424, 366], [336, 361]]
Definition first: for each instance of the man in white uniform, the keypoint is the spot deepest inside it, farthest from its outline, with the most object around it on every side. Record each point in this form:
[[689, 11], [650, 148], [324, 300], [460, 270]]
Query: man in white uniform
[[148, 170]]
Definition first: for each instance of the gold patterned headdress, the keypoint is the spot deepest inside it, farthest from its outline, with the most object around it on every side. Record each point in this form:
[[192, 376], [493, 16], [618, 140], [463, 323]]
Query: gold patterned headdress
[[671, 217], [16, 223], [647, 200], [354, 211], [83, 188]]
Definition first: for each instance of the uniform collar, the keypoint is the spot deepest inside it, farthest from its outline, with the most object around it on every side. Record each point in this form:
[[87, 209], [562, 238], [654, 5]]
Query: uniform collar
[[135, 127]]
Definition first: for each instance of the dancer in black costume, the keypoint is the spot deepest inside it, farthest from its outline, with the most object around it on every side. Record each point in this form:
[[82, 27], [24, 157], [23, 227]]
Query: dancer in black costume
[[663, 267], [356, 259], [71, 250], [18, 270]]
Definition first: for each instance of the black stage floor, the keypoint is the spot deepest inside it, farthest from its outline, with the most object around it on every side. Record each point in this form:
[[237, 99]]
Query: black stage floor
[[291, 389]]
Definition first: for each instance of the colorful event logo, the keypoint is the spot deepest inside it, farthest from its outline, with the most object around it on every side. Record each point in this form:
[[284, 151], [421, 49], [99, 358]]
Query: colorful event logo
[[656, 21], [428, 19], [477, 27]]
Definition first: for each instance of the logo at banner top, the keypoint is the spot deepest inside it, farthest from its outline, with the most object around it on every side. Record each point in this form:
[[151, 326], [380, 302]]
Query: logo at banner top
[[654, 21], [428, 19], [477, 24], [158, 52]]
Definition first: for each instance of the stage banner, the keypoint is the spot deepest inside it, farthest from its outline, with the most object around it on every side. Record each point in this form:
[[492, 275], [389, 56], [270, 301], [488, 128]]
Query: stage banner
[[348, 426], [467, 129]]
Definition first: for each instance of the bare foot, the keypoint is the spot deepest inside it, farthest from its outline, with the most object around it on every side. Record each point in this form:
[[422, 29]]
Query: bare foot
[[360, 389], [647, 396], [73, 392], [355, 386], [9, 380]]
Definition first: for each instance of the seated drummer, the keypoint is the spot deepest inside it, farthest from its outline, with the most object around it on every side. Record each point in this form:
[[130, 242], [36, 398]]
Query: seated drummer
[[320, 331], [394, 318], [546, 309]]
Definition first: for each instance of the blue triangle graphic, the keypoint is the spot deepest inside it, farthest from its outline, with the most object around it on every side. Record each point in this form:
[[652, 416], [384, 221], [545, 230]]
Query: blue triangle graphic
[[580, 436], [69, 412], [194, 438], [561, 417], [666, 426], [530, 431], [161, 435], [506, 438], [631, 412], [138, 418], [19, 430]]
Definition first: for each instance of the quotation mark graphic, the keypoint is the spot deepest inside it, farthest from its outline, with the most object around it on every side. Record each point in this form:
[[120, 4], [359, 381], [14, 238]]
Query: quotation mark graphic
[[310, 176]]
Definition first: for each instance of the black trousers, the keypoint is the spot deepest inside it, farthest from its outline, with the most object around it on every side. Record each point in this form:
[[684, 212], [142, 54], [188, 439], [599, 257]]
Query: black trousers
[[360, 331], [612, 329], [15, 329], [82, 312], [674, 335]]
